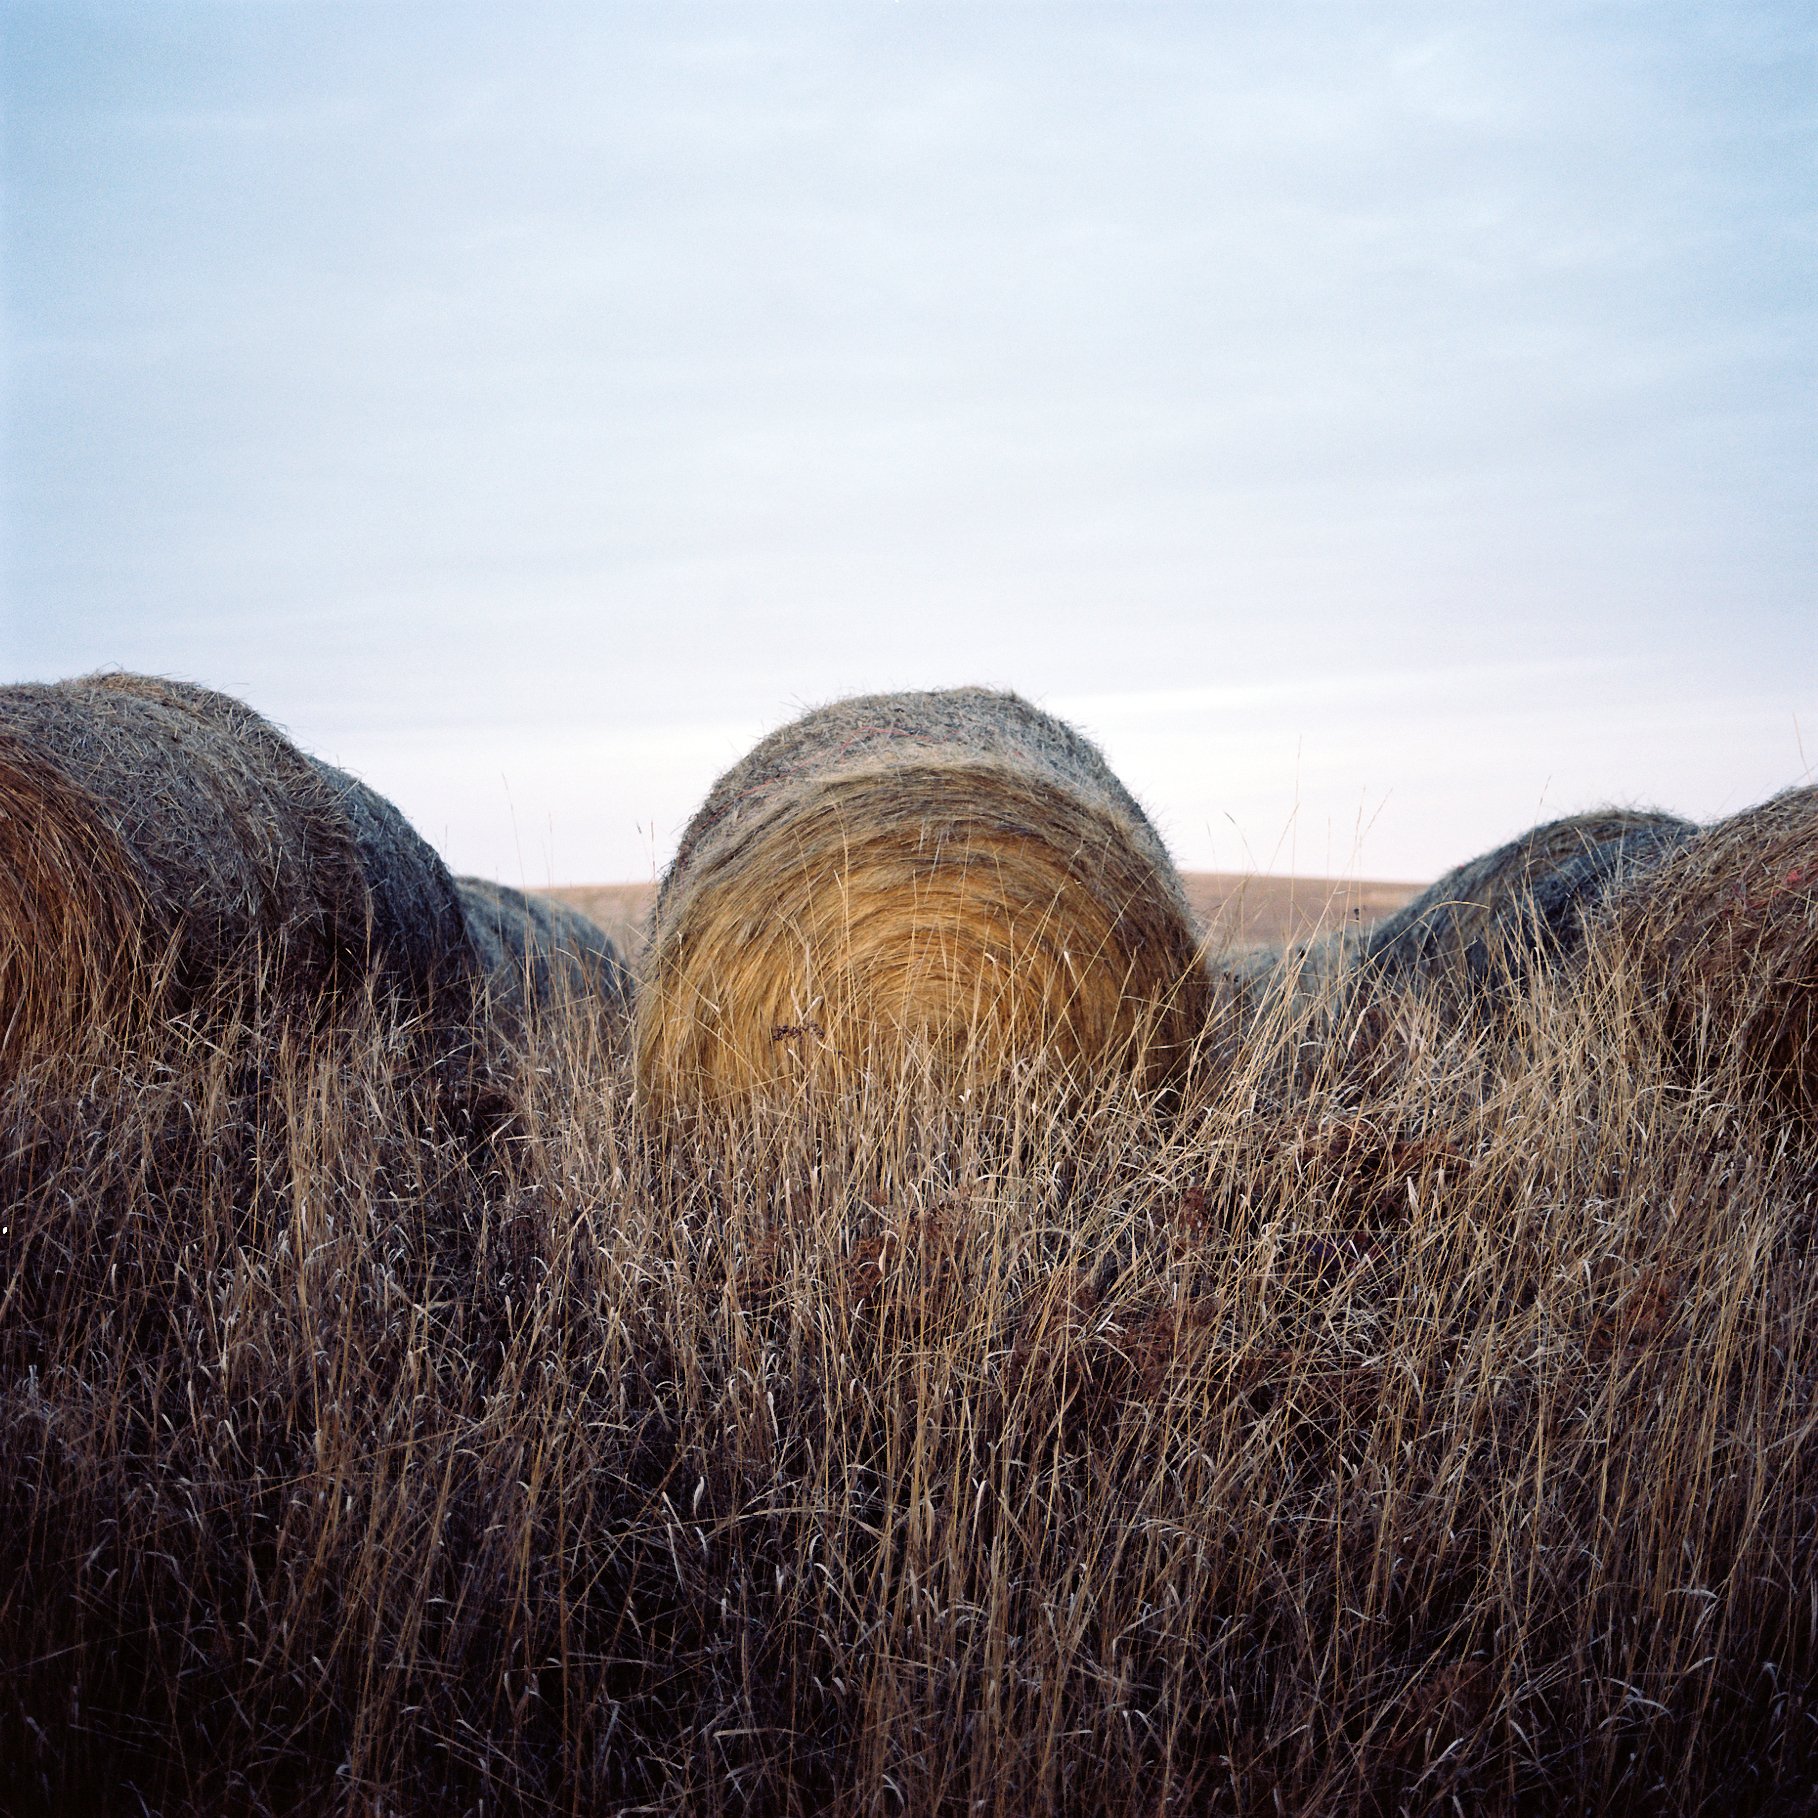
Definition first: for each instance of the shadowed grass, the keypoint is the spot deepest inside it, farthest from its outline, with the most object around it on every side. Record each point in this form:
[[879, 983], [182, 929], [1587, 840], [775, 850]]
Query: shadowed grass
[[1407, 1416]]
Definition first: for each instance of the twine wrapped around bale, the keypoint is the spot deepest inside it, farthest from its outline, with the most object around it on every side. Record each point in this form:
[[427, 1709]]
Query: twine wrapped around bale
[[1517, 909], [537, 954], [159, 841], [1722, 938], [951, 884]]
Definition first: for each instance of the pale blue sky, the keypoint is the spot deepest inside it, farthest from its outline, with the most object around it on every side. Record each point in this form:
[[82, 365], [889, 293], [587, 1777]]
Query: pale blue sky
[[1382, 425]]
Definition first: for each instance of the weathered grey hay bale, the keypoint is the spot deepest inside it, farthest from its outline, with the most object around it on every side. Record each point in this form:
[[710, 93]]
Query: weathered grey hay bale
[[155, 835], [1466, 946], [1519, 908], [1723, 939], [538, 954], [949, 881]]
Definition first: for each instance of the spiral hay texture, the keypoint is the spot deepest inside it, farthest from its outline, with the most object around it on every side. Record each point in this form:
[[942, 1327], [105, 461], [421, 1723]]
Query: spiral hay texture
[[159, 842], [1723, 939], [537, 954], [952, 885], [1520, 907]]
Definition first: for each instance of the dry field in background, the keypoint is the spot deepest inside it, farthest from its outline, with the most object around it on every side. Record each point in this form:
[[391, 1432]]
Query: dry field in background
[[1239, 910]]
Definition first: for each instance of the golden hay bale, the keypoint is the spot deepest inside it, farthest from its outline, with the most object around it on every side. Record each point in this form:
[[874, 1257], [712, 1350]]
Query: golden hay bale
[[1723, 938], [158, 835], [540, 954], [1521, 906], [951, 882]]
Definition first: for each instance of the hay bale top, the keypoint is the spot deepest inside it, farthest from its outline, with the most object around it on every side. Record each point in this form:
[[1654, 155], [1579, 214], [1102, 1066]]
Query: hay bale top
[[212, 837], [871, 732], [537, 953], [1723, 938], [1523, 902], [1758, 867], [414, 920]]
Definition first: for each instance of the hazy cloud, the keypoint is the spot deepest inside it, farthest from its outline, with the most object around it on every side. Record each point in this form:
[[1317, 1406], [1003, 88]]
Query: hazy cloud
[[552, 393]]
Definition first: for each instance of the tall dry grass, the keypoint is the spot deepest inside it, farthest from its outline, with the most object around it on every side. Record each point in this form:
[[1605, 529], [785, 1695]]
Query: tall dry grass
[[1404, 1416]]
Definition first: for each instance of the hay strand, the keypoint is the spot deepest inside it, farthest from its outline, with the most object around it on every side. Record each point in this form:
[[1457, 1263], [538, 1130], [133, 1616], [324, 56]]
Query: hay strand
[[950, 882]]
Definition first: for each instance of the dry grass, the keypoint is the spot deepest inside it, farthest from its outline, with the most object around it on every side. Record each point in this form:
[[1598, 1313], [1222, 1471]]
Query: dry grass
[[1339, 1437]]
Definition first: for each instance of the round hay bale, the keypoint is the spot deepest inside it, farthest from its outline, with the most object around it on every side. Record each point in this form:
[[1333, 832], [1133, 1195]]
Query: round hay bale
[[161, 838], [1723, 940], [951, 883], [1522, 906], [537, 954]]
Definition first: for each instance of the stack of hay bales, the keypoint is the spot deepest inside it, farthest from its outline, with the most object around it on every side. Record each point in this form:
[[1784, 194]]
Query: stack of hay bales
[[159, 842], [1519, 909], [1722, 937], [1717, 928], [537, 954], [1466, 945], [952, 885]]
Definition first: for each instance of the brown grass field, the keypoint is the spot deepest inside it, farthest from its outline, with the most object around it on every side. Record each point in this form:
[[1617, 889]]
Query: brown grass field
[[1410, 1413]]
